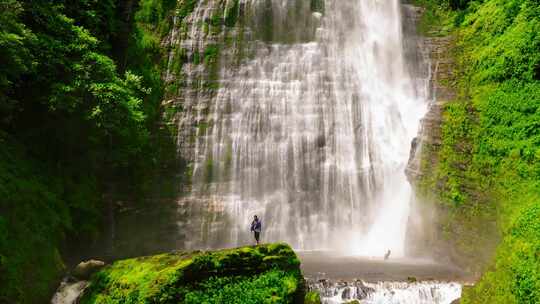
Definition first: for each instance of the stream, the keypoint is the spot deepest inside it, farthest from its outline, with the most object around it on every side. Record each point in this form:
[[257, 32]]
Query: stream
[[341, 279]]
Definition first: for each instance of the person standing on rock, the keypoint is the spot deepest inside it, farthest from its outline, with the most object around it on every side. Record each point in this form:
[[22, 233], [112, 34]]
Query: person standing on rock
[[256, 227]]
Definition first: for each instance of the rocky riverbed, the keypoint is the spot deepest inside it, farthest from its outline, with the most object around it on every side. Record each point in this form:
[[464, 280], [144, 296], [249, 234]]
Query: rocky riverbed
[[341, 279]]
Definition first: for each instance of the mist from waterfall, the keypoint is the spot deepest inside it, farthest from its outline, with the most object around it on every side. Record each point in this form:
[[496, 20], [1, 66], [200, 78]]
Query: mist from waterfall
[[313, 133]]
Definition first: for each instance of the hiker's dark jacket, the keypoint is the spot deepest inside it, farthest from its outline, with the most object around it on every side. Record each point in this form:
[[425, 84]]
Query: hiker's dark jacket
[[256, 226]]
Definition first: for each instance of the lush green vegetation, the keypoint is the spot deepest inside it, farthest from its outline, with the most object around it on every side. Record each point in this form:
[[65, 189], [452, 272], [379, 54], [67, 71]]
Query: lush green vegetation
[[80, 104], [262, 274], [37, 210], [515, 278], [488, 165], [79, 95], [312, 297]]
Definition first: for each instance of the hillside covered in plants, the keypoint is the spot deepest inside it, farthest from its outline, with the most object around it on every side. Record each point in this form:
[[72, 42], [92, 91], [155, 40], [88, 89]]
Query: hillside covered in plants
[[484, 177]]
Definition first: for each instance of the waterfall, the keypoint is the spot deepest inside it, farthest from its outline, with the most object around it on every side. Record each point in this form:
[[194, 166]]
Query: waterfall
[[389, 292], [312, 133]]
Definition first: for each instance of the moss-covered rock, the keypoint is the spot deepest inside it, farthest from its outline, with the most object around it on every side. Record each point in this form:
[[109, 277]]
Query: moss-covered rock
[[312, 297], [262, 274]]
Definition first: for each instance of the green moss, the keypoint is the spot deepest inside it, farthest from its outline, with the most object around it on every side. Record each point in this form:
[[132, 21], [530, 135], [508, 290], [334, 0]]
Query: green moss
[[211, 54], [216, 20], [317, 6], [240, 53], [231, 13], [438, 19], [206, 29], [196, 58], [228, 160], [185, 8], [171, 111], [515, 278], [242, 275], [203, 127], [209, 170], [211, 61], [312, 297]]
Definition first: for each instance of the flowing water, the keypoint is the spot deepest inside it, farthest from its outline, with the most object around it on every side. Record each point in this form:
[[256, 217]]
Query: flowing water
[[343, 278], [314, 135], [68, 292], [389, 292]]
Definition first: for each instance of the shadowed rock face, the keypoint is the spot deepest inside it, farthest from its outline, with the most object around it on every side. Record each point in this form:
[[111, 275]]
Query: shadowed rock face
[[441, 71], [423, 236]]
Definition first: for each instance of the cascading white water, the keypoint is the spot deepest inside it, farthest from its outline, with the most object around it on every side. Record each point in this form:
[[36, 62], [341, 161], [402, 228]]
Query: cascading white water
[[69, 292], [314, 136], [390, 292]]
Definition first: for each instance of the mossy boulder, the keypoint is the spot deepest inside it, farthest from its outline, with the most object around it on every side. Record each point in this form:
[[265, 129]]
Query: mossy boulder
[[262, 274]]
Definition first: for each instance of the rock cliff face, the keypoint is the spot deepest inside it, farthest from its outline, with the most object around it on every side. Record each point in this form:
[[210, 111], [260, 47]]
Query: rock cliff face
[[441, 68], [424, 236], [435, 230], [204, 36]]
